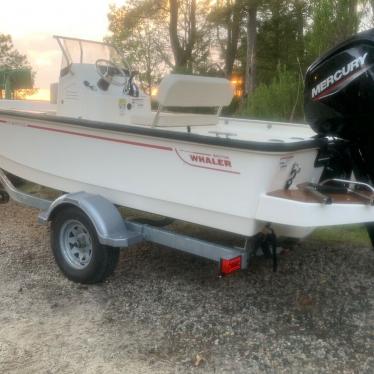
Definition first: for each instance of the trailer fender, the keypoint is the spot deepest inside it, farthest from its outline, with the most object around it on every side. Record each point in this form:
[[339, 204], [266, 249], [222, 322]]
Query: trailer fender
[[110, 226]]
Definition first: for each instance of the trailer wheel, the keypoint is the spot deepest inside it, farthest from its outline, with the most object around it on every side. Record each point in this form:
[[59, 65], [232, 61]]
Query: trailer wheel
[[77, 250]]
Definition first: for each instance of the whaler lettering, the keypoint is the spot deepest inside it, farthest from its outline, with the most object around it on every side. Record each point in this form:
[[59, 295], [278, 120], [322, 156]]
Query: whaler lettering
[[210, 161], [340, 74]]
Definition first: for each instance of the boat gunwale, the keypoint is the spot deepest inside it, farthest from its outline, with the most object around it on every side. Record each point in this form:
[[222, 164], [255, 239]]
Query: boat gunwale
[[312, 143]]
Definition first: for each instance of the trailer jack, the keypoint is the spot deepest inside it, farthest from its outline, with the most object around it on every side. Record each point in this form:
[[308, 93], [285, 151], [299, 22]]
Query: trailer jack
[[4, 197], [267, 242]]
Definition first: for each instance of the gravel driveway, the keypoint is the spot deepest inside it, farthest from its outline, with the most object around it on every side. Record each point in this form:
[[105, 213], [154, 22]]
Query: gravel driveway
[[165, 312]]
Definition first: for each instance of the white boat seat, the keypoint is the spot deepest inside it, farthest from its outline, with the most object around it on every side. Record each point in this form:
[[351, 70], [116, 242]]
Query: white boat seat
[[178, 90], [188, 91]]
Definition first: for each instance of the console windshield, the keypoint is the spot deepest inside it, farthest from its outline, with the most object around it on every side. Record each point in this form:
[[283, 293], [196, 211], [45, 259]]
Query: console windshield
[[80, 51]]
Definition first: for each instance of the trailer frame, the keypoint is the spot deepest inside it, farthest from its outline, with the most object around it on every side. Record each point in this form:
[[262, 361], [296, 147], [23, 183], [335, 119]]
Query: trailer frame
[[117, 232]]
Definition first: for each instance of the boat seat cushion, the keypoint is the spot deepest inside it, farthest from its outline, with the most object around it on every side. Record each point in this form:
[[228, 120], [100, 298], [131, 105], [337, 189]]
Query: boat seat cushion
[[178, 90]]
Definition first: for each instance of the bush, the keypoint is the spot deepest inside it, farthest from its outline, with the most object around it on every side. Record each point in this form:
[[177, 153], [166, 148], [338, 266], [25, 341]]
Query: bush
[[281, 100]]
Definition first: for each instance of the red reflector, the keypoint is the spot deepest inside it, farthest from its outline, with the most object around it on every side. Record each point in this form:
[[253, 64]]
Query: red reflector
[[229, 266]]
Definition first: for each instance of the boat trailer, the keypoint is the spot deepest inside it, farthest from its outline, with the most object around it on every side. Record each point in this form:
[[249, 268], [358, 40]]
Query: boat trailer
[[113, 231]]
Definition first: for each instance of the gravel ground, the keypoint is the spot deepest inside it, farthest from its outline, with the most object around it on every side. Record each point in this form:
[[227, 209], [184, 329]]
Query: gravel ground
[[165, 312]]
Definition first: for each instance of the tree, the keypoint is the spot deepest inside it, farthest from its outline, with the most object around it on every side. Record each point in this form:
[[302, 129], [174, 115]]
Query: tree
[[189, 34], [301, 12], [251, 37], [277, 39], [333, 22], [201, 59], [281, 29], [292, 34], [251, 56], [182, 49], [10, 58], [173, 32], [227, 18], [367, 14], [142, 41]]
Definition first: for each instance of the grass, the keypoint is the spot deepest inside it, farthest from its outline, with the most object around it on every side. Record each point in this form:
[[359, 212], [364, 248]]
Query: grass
[[352, 235]]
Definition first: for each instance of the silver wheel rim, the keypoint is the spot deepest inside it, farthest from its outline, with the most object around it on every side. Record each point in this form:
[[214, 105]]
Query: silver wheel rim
[[76, 244]]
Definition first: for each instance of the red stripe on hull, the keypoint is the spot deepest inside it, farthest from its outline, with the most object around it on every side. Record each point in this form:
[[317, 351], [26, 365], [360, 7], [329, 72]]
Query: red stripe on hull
[[138, 144]]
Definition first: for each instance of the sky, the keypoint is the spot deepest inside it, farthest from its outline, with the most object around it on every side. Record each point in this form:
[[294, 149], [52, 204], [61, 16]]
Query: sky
[[32, 23]]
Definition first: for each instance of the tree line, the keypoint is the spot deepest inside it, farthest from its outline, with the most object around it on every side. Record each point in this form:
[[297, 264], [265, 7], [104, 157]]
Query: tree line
[[265, 45]]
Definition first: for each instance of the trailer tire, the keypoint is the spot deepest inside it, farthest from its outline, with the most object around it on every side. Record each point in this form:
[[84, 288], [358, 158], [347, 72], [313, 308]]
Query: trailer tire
[[77, 250]]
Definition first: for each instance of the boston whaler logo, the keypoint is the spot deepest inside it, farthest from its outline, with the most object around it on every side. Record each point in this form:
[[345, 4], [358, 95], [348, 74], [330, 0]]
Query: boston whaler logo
[[339, 76], [207, 161]]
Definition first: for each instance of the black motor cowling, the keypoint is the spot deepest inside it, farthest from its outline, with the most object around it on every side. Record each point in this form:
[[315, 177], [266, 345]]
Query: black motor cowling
[[339, 100], [339, 103]]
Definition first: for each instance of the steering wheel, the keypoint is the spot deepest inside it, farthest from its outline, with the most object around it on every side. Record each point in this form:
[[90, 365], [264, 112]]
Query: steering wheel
[[109, 69]]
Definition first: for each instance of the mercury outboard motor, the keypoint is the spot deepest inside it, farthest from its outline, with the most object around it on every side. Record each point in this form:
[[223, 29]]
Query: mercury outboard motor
[[339, 103]]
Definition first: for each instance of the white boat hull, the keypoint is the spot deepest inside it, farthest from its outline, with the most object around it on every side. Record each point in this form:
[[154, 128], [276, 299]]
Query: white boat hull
[[213, 186]]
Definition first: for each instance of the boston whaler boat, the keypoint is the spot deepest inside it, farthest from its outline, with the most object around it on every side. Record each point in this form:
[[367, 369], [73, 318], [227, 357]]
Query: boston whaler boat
[[103, 146]]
